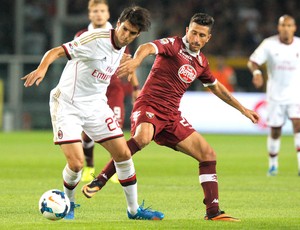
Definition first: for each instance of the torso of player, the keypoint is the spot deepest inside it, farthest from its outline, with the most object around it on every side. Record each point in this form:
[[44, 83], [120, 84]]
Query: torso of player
[[173, 72], [93, 60], [283, 66]]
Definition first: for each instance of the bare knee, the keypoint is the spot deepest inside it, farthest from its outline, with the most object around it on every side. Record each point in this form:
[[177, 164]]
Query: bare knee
[[275, 132], [208, 154], [142, 140], [76, 164]]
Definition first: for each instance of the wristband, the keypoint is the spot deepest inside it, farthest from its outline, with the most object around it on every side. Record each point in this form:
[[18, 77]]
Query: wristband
[[257, 71], [136, 87]]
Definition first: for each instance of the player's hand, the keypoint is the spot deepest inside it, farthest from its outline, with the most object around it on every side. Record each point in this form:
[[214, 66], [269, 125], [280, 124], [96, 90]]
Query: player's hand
[[127, 68], [253, 116], [258, 80], [125, 57], [35, 76]]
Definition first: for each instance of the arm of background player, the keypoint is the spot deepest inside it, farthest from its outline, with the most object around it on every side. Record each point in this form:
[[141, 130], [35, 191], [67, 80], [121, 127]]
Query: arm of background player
[[38, 75], [136, 88], [128, 67], [220, 90], [257, 78]]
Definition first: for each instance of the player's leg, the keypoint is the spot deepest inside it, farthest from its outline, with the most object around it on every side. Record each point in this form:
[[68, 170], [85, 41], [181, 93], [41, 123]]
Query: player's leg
[[66, 128], [143, 136], [296, 128], [127, 178], [276, 115], [72, 172], [273, 146], [88, 150], [197, 147]]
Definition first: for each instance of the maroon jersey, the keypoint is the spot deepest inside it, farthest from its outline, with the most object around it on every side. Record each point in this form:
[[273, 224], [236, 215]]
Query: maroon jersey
[[173, 71]]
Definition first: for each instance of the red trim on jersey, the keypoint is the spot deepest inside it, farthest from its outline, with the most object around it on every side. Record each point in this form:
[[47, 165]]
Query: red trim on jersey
[[110, 138], [130, 179], [66, 142], [67, 52], [112, 34], [80, 32]]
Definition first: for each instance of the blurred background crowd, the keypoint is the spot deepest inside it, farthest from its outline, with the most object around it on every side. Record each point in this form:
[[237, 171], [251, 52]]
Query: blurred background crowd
[[240, 25], [30, 27]]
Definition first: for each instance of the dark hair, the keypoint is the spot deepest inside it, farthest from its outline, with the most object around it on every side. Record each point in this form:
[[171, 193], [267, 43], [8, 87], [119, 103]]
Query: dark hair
[[203, 20], [137, 16]]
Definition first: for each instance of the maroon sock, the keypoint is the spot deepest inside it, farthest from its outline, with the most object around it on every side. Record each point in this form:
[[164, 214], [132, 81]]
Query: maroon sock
[[109, 170], [89, 156], [133, 146], [209, 183]]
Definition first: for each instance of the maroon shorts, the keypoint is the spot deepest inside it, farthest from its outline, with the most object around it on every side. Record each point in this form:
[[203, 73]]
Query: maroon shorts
[[169, 128]]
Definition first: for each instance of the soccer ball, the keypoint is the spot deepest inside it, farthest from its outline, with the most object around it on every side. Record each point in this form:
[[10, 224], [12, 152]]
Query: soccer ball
[[54, 204]]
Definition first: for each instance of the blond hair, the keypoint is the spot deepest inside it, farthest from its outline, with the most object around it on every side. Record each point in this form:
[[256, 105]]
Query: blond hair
[[96, 2]]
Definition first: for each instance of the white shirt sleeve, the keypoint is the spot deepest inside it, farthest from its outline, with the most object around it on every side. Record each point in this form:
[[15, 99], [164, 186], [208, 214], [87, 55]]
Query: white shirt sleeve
[[260, 55], [82, 47]]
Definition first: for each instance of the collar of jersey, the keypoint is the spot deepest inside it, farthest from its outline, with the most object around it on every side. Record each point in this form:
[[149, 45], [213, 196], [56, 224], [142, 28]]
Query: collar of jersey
[[187, 45]]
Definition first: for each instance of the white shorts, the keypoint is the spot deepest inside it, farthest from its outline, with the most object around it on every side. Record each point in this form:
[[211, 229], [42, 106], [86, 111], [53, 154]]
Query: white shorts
[[96, 119], [278, 113]]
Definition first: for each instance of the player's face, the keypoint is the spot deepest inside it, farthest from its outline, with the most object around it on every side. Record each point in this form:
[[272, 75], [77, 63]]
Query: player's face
[[125, 33], [197, 36], [99, 15], [286, 29]]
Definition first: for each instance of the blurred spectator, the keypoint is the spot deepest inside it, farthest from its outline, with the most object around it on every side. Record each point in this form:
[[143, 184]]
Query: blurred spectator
[[224, 73]]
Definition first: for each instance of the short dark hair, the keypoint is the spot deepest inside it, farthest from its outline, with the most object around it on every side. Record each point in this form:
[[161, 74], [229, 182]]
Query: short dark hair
[[137, 16], [203, 20]]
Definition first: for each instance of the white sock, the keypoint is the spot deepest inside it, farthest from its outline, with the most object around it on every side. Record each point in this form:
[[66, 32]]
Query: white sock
[[71, 179], [126, 174], [273, 146], [297, 146]]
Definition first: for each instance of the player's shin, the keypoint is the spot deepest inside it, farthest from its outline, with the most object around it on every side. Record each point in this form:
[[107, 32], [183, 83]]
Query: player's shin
[[126, 174], [209, 183], [109, 170], [71, 180], [297, 146]]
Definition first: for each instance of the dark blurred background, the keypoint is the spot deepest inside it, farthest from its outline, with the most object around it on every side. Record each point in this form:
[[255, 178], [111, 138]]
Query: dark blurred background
[[28, 28]]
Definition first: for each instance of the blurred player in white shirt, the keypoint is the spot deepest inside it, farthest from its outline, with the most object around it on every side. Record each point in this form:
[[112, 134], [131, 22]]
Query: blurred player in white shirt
[[78, 103], [281, 53]]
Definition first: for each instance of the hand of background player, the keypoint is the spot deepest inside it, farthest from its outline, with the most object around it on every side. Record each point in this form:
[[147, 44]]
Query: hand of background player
[[258, 80], [253, 116], [35, 76]]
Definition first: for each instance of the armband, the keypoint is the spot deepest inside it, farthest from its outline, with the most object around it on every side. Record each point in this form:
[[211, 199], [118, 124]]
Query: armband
[[257, 71]]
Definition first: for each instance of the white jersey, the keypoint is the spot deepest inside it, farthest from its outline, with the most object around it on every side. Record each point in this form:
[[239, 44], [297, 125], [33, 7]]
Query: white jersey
[[283, 67], [93, 59]]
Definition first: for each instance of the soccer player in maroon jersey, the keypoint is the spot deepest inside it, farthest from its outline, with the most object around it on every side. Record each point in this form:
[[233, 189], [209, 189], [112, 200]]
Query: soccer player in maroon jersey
[[116, 91], [156, 114]]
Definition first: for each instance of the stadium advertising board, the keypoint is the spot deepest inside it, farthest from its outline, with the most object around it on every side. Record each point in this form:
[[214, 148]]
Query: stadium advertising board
[[209, 114]]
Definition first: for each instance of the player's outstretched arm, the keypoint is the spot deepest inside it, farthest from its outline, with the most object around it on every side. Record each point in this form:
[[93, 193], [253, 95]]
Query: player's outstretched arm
[[220, 90], [128, 67], [38, 75]]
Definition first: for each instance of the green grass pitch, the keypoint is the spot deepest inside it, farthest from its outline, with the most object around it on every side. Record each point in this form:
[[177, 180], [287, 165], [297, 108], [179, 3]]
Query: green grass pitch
[[168, 181]]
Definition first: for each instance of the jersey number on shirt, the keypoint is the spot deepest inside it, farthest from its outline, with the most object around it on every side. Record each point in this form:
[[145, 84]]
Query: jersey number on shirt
[[112, 124]]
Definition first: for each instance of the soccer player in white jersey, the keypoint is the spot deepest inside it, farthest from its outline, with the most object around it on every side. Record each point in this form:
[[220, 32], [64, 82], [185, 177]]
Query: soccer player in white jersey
[[78, 103], [281, 53], [98, 16]]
